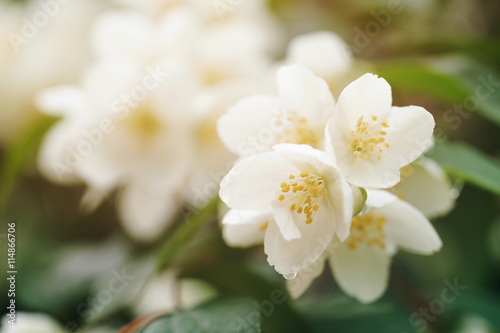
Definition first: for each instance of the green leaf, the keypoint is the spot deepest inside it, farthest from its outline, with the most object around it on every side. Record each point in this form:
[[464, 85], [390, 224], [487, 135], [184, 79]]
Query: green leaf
[[467, 163], [231, 278], [185, 232], [219, 316], [484, 85], [424, 79], [459, 86], [17, 156]]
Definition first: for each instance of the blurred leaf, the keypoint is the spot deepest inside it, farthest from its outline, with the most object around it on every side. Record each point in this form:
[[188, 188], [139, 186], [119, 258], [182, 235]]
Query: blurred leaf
[[17, 155], [222, 315], [423, 79], [233, 279], [340, 313], [484, 85], [459, 87], [469, 164], [481, 303], [185, 232]]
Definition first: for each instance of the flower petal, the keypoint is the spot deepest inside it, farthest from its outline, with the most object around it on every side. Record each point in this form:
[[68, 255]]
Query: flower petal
[[305, 93], [427, 188], [409, 134], [322, 52], [145, 211], [243, 235], [409, 228], [290, 257], [361, 273], [367, 96], [254, 182], [247, 127]]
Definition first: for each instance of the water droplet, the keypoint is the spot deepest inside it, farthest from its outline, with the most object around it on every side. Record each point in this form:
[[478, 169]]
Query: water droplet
[[290, 276]]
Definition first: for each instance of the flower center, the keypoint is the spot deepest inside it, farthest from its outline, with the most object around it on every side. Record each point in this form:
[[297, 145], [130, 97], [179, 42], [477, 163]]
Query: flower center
[[302, 193], [298, 131], [368, 229], [368, 139]]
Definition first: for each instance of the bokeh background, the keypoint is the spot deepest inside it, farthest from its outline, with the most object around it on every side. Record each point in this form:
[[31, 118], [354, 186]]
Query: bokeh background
[[433, 53]]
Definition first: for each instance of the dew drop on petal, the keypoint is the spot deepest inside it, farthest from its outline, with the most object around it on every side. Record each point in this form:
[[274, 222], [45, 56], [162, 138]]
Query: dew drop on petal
[[290, 276]]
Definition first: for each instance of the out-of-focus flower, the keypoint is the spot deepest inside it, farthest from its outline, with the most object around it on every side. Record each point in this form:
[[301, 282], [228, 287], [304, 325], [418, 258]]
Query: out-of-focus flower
[[361, 263], [425, 185], [32, 323], [27, 322], [324, 53], [34, 57], [298, 115], [370, 139], [168, 293], [129, 127], [215, 53], [309, 199]]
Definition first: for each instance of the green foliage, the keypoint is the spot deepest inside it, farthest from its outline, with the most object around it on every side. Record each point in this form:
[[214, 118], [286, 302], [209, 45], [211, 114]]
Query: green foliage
[[467, 163], [223, 315], [185, 232]]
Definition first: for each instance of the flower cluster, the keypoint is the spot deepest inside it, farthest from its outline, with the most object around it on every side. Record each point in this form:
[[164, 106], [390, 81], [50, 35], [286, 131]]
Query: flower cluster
[[331, 181]]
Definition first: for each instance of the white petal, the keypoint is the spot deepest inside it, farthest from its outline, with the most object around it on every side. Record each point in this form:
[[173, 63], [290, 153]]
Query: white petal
[[243, 235], [298, 285], [289, 257], [305, 93], [32, 322], [61, 100], [322, 52], [146, 211], [361, 273], [427, 188], [378, 198], [284, 219], [409, 135], [239, 217], [122, 34], [367, 96], [55, 162], [409, 228], [254, 183], [247, 127]]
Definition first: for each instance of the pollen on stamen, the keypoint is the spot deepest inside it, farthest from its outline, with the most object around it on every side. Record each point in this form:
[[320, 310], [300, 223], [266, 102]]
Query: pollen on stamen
[[368, 139], [305, 190], [367, 229], [264, 226]]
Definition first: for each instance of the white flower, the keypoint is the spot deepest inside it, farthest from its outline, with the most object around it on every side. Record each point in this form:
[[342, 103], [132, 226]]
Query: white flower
[[371, 139], [108, 139], [31, 323], [216, 53], [322, 52], [168, 293], [425, 185], [297, 115], [309, 199], [360, 264], [60, 46]]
